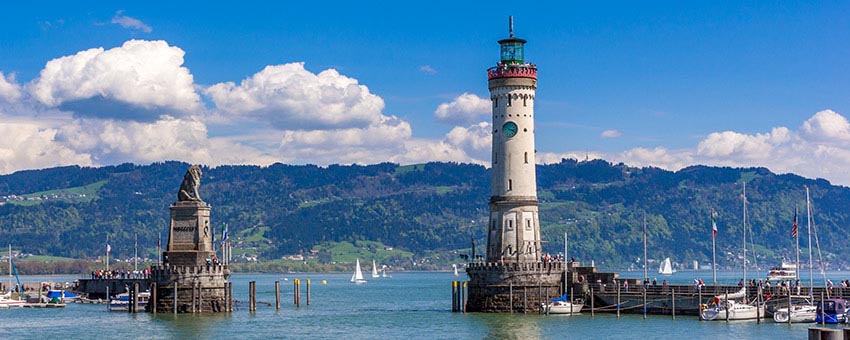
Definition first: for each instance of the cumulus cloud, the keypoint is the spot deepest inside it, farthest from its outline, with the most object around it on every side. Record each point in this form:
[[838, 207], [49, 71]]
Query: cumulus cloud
[[141, 80], [10, 91], [827, 126], [28, 145], [427, 69], [289, 97], [611, 134], [464, 109], [130, 22]]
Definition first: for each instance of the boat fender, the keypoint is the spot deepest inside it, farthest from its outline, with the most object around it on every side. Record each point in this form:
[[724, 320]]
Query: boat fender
[[581, 278]]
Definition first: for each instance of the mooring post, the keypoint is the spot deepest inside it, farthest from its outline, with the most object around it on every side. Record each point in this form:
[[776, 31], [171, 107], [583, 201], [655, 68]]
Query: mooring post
[[252, 286], [822, 312], [454, 296], [570, 298], [463, 297], [758, 303], [175, 298], [592, 311], [699, 302], [644, 302], [230, 293], [136, 297], [277, 295], [789, 305], [618, 299], [152, 302], [511, 296], [726, 305], [673, 296], [308, 292], [107, 295], [130, 302]]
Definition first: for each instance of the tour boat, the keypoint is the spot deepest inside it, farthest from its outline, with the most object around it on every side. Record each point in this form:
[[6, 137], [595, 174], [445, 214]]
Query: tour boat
[[666, 267], [357, 277], [374, 270], [788, 271], [121, 302], [562, 305]]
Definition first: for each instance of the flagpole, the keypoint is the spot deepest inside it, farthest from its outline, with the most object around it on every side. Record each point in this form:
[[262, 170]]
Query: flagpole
[[713, 247], [107, 252], [797, 248], [159, 248]]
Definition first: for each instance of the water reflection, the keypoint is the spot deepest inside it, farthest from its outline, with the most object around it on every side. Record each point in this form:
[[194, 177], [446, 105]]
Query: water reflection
[[510, 326], [192, 326]]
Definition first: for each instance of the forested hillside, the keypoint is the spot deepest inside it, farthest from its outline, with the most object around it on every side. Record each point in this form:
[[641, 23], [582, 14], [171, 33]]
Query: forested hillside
[[69, 211]]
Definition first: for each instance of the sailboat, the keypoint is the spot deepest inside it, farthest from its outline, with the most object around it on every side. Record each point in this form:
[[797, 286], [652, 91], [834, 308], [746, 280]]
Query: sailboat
[[666, 267], [358, 275], [374, 270], [454, 266], [807, 311], [725, 307]]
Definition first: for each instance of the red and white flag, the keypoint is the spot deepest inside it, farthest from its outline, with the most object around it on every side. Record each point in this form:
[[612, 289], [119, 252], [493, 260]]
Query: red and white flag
[[794, 227]]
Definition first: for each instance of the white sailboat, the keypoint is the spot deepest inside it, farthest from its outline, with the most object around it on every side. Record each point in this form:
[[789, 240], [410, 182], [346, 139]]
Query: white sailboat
[[358, 275], [374, 270], [666, 267], [725, 307], [454, 266]]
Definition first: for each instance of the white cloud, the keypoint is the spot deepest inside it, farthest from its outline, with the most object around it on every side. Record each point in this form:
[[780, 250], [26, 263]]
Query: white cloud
[[141, 80], [427, 69], [28, 145], [373, 144], [130, 22], [611, 134], [289, 97], [827, 126], [10, 91], [464, 109]]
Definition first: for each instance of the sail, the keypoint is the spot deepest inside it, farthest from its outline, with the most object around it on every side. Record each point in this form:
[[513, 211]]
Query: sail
[[374, 269], [358, 275], [666, 267]]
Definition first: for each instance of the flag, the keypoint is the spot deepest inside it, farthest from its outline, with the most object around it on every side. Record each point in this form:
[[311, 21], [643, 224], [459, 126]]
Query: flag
[[223, 233], [794, 227], [713, 226], [108, 248]]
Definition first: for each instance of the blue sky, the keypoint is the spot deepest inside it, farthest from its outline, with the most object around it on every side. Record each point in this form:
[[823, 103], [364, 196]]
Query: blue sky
[[667, 84]]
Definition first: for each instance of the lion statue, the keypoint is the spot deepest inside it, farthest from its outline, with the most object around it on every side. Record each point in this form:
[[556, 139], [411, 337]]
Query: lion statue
[[189, 187]]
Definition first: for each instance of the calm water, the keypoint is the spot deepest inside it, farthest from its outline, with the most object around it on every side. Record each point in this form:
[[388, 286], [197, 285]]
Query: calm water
[[406, 306]]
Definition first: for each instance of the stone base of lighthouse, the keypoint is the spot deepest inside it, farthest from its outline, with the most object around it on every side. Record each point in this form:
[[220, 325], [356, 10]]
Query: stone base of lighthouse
[[199, 289], [513, 287]]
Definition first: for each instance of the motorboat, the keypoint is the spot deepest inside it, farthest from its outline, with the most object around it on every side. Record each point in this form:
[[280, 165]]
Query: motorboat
[[121, 302], [735, 311], [788, 271], [831, 311]]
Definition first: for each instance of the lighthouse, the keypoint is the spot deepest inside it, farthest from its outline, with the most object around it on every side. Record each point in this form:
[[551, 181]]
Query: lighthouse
[[514, 231]]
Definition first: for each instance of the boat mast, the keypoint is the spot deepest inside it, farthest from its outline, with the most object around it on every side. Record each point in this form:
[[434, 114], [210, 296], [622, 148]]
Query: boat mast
[[797, 239], [713, 247], [645, 277], [10, 260], [745, 238], [135, 252], [809, 228]]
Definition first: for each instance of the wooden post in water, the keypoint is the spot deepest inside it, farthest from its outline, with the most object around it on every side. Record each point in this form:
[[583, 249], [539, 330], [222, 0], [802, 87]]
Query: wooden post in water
[[130, 299], [570, 297], [175, 298], [454, 296], [230, 294], [758, 302], [107, 295], [822, 312], [726, 305], [152, 302], [462, 297], [592, 311], [252, 302], [308, 292], [511, 296], [297, 293], [644, 302], [136, 297], [618, 299], [277, 295], [699, 303], [789, 305], [673, 297]]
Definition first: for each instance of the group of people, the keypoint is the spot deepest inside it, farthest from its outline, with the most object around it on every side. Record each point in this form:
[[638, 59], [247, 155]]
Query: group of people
[[121, 274], [547, 258]]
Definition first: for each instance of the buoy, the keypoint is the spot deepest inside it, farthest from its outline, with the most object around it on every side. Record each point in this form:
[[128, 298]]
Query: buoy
[[324, 282]]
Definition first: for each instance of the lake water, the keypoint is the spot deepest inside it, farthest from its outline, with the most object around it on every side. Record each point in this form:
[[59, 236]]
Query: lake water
[[406, 306]]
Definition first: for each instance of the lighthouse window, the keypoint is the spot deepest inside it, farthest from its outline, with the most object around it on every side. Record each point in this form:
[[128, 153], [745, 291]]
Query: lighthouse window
[[495, 102], [526, 158], [495, 158], [509, 100], [510, 184], [523, 101], [527, 224]]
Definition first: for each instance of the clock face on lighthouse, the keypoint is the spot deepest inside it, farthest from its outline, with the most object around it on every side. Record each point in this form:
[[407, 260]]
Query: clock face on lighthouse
[[510, 129]]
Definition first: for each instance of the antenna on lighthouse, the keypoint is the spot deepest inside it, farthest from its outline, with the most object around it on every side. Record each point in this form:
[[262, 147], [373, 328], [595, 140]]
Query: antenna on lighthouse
[[511, 23]]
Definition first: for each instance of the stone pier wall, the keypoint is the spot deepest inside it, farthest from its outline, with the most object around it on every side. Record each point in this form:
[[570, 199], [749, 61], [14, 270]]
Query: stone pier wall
[[200, 289], [513, 287]]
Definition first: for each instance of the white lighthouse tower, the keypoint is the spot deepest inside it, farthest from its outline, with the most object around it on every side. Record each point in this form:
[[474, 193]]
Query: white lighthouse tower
[[514, 231]]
